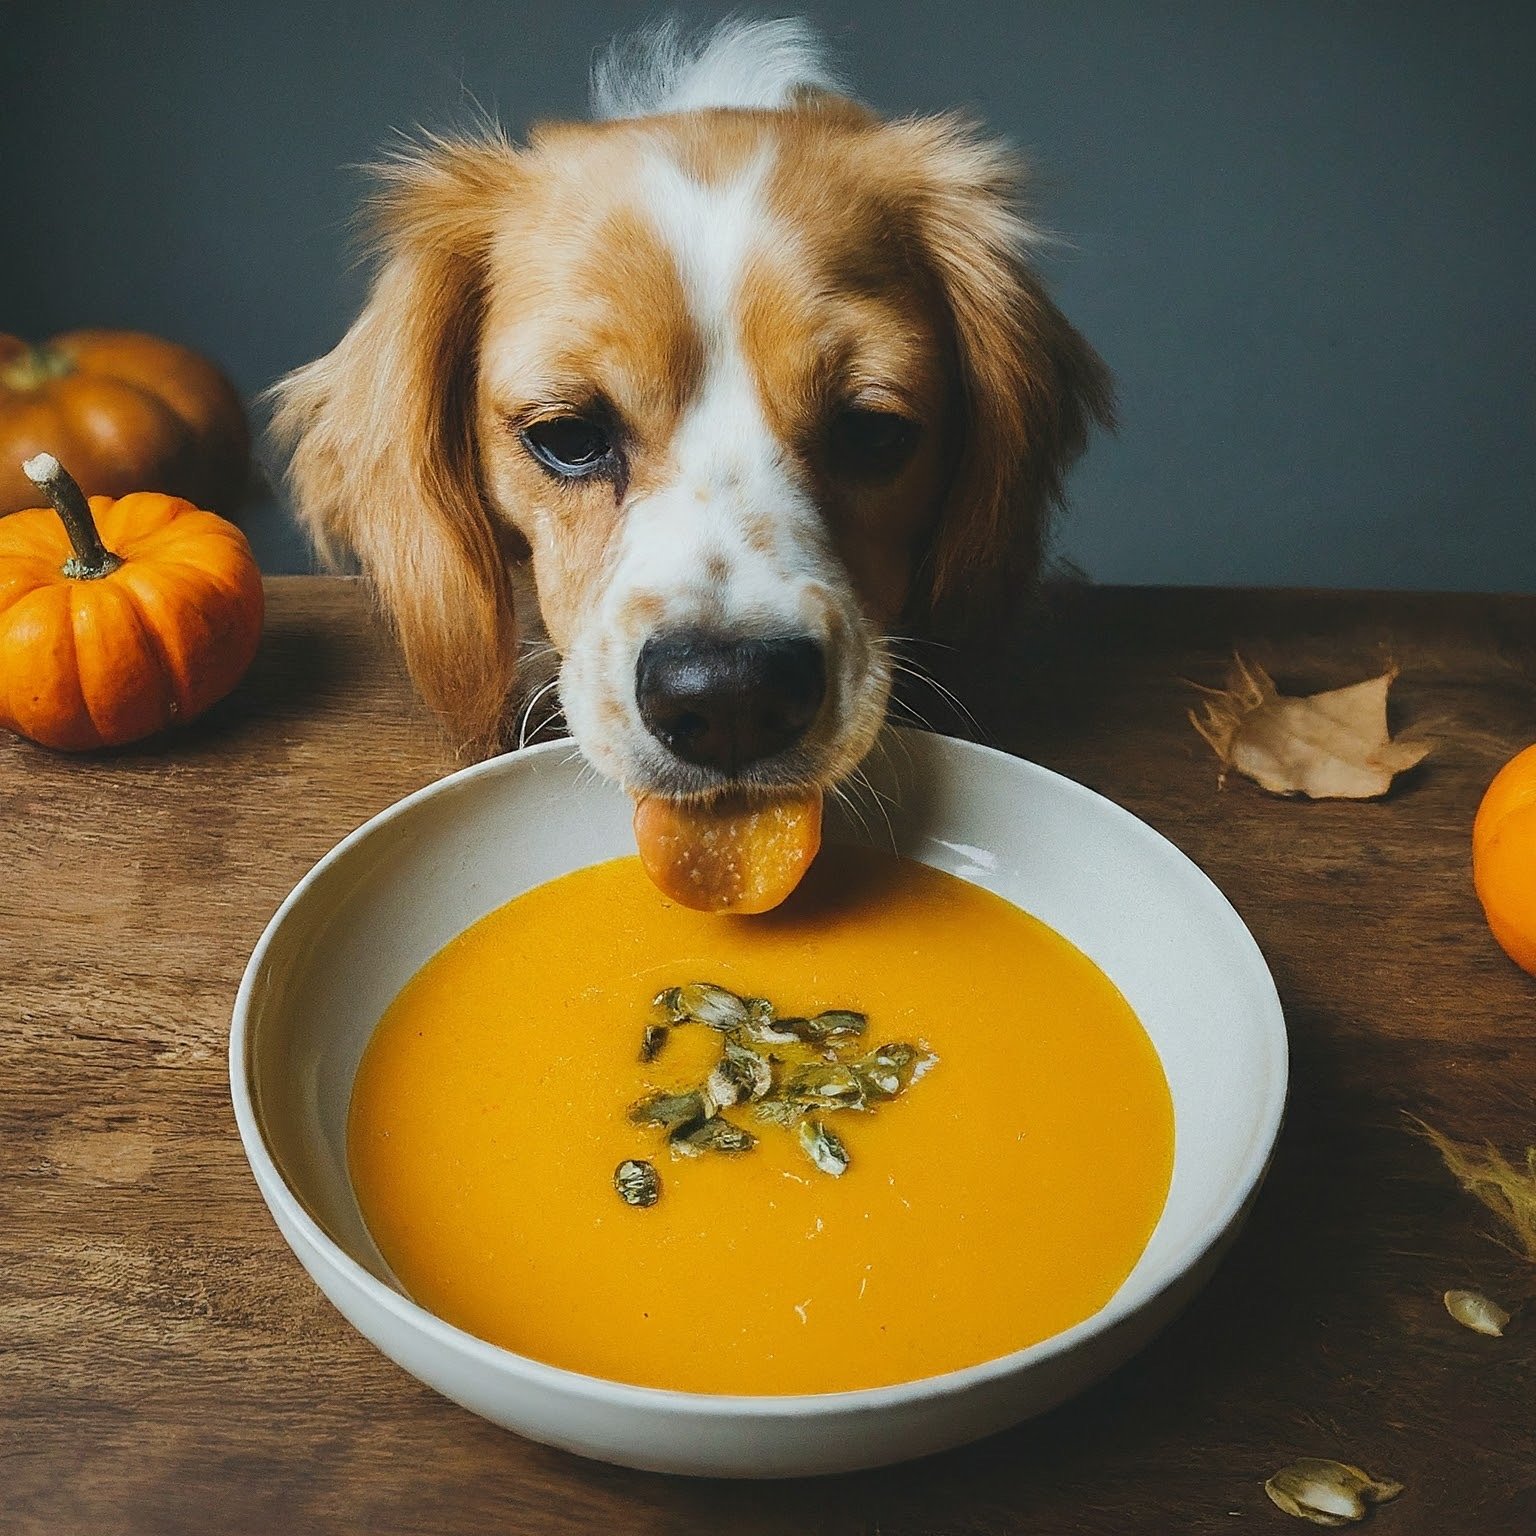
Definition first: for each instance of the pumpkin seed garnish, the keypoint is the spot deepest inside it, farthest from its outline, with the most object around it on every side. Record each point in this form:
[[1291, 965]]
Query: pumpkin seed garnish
[[823, 1147], [787, 1072], [769, 1031], [669, 1110], [741, 1075], [712, 1135], [1327, 1492], [668, 1005], [763, 1026], [723, 1089], [834, 1024], [778, 1111], [703, 1002], [888, 1072], [822, 1028], [637, 1182], [825, 1085], [1474, 1310]]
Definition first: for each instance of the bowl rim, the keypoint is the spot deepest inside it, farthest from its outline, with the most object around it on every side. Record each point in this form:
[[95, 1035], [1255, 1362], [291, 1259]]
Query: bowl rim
[[1119, 1309]]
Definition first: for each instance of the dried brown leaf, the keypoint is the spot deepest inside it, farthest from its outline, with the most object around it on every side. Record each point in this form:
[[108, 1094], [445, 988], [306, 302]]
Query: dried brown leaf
[[1327, 746], [1487, 1175]]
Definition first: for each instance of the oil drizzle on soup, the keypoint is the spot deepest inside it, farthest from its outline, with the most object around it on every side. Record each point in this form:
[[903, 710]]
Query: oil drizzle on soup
[[1005, 1201]]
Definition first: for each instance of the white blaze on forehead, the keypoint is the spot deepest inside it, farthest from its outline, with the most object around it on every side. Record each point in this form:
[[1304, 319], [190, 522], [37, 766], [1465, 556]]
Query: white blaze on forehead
[[711, 229], [732, 473]]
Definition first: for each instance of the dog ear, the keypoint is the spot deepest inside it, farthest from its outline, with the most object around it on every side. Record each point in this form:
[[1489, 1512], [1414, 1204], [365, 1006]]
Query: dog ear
[[1030, 386], [381, 431]]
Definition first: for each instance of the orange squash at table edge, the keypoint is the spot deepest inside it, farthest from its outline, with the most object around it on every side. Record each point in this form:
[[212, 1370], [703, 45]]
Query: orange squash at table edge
[[1504, 858], [118, 618]]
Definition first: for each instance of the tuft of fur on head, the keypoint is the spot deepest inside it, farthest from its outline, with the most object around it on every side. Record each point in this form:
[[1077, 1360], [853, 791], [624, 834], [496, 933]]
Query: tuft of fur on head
[[662, 68]]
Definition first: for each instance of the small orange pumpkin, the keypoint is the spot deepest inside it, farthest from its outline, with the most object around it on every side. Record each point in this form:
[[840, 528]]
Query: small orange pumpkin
[[126, 412], [1504, 857], [119, 617]]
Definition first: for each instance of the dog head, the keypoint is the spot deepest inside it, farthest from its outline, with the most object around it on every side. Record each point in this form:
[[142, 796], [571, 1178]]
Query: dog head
[[742, 372]]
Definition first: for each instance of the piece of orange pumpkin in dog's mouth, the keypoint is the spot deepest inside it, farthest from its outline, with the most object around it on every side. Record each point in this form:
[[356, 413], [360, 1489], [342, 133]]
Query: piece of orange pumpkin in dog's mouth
[[728, 855]]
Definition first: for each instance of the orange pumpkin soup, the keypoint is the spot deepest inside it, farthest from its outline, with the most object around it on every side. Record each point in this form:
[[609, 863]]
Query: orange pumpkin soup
[[1003, 1197]]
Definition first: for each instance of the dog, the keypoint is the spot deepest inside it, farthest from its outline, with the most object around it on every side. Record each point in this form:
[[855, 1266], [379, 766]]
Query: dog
[[695, 403]]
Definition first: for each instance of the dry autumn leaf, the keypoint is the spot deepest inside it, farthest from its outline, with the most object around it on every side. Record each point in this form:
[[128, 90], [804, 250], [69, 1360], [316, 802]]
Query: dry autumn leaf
[[1327, 746], [1507, 1189]]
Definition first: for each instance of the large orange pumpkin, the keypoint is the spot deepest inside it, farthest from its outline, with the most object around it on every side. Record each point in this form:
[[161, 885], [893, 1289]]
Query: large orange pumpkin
[[119, 617], [126, 412], [1504, 857]]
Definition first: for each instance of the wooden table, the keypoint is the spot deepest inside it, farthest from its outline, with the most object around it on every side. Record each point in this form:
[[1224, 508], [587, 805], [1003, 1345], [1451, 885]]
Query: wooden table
[[166, 1366]]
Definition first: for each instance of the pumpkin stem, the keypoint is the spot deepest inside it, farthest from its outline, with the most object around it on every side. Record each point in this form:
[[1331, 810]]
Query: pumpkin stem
[[35, 367], [91, 559]]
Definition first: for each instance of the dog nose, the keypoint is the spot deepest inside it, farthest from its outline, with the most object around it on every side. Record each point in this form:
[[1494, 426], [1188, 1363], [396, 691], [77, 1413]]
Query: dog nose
[[724, 703]]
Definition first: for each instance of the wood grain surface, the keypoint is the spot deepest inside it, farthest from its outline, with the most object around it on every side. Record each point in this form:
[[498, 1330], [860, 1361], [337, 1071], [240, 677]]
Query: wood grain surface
[[167, 1367]]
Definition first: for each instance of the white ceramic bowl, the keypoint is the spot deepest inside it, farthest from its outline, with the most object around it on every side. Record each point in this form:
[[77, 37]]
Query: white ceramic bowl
[[382, 902]]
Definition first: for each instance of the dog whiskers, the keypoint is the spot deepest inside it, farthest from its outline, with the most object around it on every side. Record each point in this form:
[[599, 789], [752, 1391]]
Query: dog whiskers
[[858, 781], [937, 645], [905, 666], [884, 741], [845, 799], [586, 773], [527, 712], [880, 798], [908, 714]]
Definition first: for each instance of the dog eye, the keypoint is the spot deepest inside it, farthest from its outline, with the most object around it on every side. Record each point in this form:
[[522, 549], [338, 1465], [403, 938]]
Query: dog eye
[[871, 444], [573, 446]]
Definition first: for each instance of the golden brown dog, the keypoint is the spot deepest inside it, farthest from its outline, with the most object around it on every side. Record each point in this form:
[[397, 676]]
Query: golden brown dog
[[711, 391]]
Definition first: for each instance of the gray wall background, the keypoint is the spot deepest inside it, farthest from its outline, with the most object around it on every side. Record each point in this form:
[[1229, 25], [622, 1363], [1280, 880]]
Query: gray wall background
[[1302, 232]]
